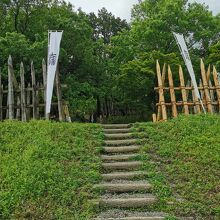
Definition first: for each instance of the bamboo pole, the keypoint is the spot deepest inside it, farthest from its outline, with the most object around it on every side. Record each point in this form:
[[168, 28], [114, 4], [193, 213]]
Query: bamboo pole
[[23, 102], [217, 84], [159, 113], [34, 98], [154, 118], [208, 73], [10, 89], [18, 108], [59, 95], [206, 88], [172, 93], [37, 101], [66, 112], [161, 92], [28, 111], [183, 91], [202, 92], [197, 108], [44, 68]]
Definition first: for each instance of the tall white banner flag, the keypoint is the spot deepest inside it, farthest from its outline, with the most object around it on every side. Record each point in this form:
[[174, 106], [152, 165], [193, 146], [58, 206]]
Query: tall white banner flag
[[185, 53], [54, 39]]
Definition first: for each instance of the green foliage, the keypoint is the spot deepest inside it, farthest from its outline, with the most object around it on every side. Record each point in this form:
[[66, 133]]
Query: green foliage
[[48, 169], [214, 55], [187, 149], [108, 64]]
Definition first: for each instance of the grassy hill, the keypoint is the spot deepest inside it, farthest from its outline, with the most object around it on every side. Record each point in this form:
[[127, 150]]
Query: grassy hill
[[47, 170], [186, 169]]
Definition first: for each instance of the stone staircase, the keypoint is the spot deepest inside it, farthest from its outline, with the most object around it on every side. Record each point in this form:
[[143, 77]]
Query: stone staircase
[[124, 186]]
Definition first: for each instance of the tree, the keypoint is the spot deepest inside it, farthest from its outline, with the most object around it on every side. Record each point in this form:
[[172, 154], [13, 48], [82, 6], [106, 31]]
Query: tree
[[106, 25]]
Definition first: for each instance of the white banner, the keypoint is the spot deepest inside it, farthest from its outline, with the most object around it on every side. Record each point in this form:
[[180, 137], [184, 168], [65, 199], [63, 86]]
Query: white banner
[[185, 53], [54, 39]]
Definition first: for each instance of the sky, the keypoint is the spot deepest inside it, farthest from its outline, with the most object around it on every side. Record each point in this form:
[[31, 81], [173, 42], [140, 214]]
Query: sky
[[122, 8]]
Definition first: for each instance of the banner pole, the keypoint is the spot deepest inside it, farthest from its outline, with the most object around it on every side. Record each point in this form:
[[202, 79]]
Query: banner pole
[[186, 57]]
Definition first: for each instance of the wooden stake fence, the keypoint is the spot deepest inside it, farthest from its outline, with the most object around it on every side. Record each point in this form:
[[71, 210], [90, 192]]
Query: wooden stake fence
[[24, 103], [182, 99]]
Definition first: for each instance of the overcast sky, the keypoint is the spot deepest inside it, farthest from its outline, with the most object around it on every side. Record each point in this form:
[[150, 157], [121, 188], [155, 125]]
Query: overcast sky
[[122, 8]]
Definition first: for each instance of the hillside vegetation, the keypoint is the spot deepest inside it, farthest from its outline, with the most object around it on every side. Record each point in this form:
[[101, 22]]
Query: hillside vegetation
[[108, 63], [187, 169], [47, 170]]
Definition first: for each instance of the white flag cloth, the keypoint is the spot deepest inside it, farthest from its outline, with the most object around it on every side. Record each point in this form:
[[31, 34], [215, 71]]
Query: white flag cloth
[[185, 53], [53, 56]]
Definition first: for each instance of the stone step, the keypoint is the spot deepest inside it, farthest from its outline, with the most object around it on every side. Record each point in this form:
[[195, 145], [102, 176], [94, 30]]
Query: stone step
[[116, 131], [124, 186], [122, 165], [116, 126], [123, 175], [119, 136], [130, 215], [122, 149], [119, 157], [126, 142], [128, 202], [134, 218]]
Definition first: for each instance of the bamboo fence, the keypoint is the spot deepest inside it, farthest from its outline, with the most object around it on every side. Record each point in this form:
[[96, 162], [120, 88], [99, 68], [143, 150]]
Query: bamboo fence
[[27, 100], [181, 99]]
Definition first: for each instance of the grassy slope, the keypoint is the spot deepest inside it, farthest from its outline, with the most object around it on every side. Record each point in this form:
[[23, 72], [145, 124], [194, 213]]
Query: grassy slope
[[188, 152], [47, 170]]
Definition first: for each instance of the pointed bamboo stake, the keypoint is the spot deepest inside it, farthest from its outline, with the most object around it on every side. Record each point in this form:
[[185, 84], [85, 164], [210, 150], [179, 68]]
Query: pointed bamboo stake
[[217, 85], [161, 93], [183, 91], [34, 99], [18, 107], [23, 101], [37, 101], [212, 96], [159, 113], [208, 73], [172, 93], [10, 89], [206, 88], [28, 111], [44, 68], [202, 92], [164, 74], [59, 95], [197, 108]]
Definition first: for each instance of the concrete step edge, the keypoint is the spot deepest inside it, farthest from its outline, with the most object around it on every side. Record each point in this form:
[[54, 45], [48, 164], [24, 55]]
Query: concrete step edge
[[117, 131], [121, 142], [123, 175], [127, 203], [122, 149], [124, 187], [122, 165], [119, 157], [134, 218]]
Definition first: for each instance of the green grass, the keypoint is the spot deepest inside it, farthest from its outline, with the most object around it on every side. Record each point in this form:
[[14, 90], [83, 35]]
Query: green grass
[[187, 172], [47, 170]]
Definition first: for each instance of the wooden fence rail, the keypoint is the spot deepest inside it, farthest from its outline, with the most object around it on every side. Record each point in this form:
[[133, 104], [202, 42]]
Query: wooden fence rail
[[170, 104], [25, 101]]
